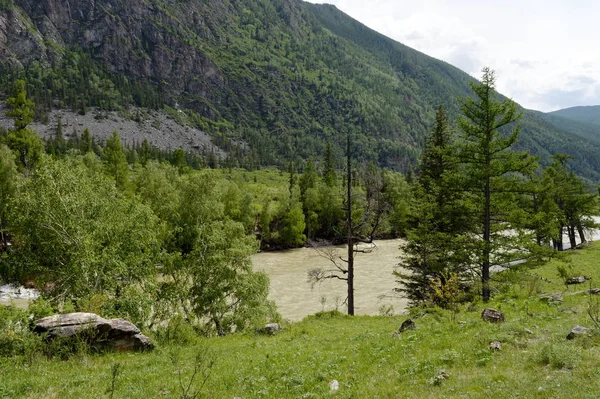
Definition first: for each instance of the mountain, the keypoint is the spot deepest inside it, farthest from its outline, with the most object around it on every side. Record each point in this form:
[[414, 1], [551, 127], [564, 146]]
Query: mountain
[[270, 81], [588, 130], [589, 114]]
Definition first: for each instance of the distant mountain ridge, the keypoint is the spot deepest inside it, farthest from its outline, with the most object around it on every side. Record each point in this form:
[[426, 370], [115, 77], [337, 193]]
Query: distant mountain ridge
[[585, 114], [274, 80]]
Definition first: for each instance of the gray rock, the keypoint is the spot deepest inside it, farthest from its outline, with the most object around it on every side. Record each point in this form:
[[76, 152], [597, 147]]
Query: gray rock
[[578, 331], [552, 299], [272, 328], [408, 324], [492, 315], [594, 291], [116, 334], [577, 280], [496, 346]]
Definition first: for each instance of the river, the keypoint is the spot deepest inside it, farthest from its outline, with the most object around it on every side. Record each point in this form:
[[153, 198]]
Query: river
[[295, 298]]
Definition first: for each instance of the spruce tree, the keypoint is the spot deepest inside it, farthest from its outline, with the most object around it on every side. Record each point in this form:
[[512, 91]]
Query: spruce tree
[[493, 174], [24, 142], [434, 250], [115, 162]]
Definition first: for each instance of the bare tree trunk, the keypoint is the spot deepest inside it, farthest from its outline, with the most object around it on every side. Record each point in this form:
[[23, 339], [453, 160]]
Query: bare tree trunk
[[350, 235]]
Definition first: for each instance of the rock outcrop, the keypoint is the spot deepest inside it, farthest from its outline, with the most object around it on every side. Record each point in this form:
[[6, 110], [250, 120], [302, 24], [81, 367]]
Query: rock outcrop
[[116, 334]]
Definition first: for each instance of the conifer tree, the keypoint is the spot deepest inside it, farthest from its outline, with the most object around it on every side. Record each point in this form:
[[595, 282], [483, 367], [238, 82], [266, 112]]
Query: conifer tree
[[115, 162], [493, 173], [434, 250], [23, 141]]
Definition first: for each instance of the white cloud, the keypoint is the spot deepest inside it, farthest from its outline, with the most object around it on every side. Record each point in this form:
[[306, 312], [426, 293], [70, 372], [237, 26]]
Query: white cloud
[[544, 52]]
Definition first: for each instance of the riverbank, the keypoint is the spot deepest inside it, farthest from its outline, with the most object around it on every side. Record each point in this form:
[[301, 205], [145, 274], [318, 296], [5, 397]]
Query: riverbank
[[448, 355]]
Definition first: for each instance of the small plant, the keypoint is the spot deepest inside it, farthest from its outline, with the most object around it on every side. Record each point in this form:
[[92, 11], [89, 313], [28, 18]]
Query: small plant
[[115, 372], [560, 356], [203, 364], [565, 273], [323, 301], [386, 310], [593, 310]]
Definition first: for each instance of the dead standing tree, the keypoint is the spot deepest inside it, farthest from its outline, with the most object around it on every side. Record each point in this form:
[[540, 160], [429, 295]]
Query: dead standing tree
[[361, 232]]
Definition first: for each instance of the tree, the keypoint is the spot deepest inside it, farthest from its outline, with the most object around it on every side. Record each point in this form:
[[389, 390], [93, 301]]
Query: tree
[[76, 235], [365, 211], [570, 201], [493, 172], [22, 140], [208, 273], [329, 175], [8, 181], [115, 162], [309, 196], [435, 249]]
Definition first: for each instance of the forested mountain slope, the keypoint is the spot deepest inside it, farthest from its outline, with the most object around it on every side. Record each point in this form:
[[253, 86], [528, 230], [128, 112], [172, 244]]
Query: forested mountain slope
[[589, 114], [272, 80]]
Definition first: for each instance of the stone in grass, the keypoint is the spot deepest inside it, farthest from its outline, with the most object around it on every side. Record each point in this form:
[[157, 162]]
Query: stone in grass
[[578, 331], [116, 334], [578, 280], [492, 315], [594, 291], [408, 324], [272, 328], [496, 346], [334, 385], [552, 299]]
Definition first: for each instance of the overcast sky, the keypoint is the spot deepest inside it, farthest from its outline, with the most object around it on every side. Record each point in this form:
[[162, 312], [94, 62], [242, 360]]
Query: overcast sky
[[546, 53]]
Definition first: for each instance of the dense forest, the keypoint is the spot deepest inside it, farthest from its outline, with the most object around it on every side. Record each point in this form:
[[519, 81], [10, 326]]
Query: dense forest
[[272, 81]]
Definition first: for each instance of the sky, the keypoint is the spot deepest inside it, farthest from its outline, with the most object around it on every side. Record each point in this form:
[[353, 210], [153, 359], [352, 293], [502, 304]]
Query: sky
[[545, 53]]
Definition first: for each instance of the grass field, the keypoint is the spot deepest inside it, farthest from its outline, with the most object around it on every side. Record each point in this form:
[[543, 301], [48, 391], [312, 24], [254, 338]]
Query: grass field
[[447, 356]]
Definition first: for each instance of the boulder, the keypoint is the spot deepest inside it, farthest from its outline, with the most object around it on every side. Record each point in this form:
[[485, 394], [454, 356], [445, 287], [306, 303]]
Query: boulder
[[578, 280], [408, 324], [578, 331], [116, 334], [272, 328], [492, 315]]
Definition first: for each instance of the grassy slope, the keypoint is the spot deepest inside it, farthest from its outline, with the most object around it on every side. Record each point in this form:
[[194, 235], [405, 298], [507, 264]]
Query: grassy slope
[[363, 356]]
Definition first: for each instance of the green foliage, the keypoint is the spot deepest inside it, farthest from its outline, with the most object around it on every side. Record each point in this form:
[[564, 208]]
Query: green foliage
[[23, 141], [436, 256], [115, 161], [493, 173], [560, 355], [74, 230]]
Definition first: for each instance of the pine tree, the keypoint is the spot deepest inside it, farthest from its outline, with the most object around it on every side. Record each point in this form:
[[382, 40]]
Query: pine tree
[[115, 162], [493, 172]]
